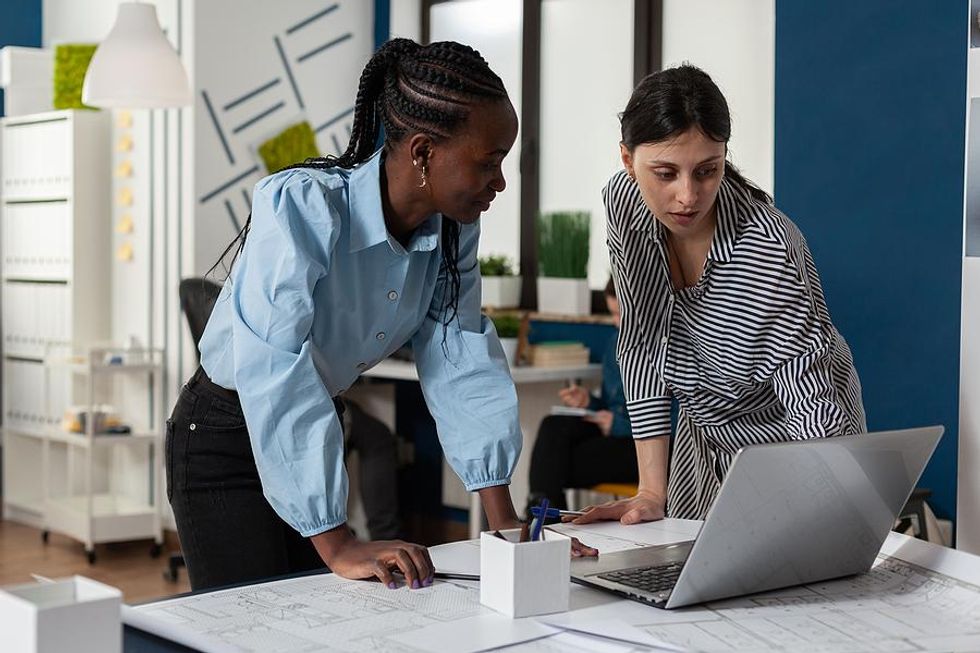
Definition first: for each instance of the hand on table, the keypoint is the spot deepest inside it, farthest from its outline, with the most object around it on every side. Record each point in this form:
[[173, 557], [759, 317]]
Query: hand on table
[[643, 507], [349, 557]]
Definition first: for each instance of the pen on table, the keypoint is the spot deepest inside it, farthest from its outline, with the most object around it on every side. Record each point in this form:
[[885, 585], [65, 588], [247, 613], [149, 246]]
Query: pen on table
[[555, 512]]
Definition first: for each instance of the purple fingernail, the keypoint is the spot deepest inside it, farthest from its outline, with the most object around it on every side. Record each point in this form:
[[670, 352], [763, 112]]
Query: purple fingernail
[[415, 584], [428, 581], [392, 585]]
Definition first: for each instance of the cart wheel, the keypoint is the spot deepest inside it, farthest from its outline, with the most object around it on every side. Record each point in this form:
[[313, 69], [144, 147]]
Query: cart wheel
[[91, 556], [45, 536], [155, 550]]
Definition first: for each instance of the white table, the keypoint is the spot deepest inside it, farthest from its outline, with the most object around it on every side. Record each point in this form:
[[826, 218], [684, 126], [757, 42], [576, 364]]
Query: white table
[[921, 597], [537, 392]]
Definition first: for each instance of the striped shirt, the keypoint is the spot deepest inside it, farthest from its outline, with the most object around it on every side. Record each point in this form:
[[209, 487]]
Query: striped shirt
[[749, 352]]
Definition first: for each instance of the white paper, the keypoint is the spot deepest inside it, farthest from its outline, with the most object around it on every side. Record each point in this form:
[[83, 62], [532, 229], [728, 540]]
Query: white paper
[[457, 557], [611, 536], [329, 613]]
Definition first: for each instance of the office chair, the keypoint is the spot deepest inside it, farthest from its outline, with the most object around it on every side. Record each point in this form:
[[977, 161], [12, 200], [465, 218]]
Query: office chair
[[197, 298]]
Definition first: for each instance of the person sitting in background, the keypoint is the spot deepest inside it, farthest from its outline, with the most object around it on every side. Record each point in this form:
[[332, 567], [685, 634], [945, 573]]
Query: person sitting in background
[[579, 452]]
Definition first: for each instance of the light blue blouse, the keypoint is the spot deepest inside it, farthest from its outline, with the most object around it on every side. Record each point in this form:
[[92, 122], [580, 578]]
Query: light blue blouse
[[321, 293]]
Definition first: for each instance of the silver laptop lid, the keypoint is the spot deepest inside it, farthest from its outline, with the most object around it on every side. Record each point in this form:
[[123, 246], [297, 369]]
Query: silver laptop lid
[[796, 512]]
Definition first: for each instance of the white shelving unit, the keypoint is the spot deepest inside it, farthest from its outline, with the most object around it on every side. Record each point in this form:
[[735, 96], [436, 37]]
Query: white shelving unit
[[54, 209], [101, 499]]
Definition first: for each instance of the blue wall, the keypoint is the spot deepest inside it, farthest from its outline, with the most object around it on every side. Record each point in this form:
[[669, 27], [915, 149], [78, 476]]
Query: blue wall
[[870, 112], [20, 24]]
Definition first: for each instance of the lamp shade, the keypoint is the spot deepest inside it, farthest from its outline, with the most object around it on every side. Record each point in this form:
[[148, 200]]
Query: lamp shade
[[135, 67]]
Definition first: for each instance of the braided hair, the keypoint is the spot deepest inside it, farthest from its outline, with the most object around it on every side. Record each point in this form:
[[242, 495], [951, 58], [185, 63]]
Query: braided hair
[[407, 88]]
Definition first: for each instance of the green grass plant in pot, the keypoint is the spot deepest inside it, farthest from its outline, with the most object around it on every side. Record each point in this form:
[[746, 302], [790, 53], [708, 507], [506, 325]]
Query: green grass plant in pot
[[501, 286], [508, 328], [563, 262]]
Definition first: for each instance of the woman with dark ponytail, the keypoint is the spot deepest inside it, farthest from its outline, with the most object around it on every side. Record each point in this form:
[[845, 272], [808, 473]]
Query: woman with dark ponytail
[[722, 308], [343, 260]]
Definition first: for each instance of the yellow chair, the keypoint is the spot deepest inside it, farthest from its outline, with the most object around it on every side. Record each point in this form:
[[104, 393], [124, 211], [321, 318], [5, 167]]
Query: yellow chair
[[615, 490]]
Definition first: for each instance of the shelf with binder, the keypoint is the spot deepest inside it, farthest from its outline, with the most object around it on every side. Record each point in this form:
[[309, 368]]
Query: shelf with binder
[[54, 277], [112, 488]]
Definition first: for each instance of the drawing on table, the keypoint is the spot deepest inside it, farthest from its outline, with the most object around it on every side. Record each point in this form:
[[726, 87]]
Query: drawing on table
[[318, 613]]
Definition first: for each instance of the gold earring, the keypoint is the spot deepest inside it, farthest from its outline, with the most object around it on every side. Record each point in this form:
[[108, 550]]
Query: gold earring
[[424, 178]]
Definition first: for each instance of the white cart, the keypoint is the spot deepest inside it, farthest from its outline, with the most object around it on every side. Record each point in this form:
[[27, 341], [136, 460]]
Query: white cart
[[108, 485]]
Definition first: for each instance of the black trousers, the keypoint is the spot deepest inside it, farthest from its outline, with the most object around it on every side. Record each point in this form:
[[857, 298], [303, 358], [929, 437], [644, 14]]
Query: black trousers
[[228, 531], [573, 453]]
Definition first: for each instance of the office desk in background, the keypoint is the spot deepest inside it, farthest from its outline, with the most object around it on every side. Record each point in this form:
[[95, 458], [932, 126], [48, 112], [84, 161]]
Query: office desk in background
[[537, 392], [919, 597]]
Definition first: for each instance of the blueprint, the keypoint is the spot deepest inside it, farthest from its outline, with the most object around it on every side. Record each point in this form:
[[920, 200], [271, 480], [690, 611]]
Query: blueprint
[[329, 613], [898, 606]]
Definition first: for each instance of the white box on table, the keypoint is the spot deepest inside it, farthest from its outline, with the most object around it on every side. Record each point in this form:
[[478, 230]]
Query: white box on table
[[74, 614], [521, 579]]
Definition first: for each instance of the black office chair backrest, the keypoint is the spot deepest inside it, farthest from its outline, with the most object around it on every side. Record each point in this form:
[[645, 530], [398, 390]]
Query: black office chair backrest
[[197, 297]]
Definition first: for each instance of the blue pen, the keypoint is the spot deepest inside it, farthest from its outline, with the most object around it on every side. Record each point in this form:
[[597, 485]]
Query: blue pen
[[539, 522], [554, 513]]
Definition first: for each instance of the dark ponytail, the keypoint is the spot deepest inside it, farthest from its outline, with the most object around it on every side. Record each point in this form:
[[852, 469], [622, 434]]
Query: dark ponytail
[[669, 102], [407, 88]]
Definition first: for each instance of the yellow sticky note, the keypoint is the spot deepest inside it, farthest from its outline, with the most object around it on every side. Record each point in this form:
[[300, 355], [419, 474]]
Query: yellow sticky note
[[125, 252], [125, 224], [124, 197], [124, 119], [125, 169], [125, 143]]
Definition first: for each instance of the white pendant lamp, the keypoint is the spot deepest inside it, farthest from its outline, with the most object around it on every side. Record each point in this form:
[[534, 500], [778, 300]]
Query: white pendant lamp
[[135, 67]]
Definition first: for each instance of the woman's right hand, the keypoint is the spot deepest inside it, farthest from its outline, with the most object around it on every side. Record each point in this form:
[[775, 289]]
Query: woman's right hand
[[574, 396], [351, 558], [645, 506]]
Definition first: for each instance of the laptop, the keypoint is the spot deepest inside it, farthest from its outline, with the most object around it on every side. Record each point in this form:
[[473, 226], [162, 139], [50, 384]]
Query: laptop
[[787, 513]]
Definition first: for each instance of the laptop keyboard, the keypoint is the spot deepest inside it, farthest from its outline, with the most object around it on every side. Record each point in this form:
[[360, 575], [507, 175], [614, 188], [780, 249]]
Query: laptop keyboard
[[656, 578]]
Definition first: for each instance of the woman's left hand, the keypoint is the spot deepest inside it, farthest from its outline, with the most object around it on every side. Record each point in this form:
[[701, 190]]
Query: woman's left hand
[[579, 550]]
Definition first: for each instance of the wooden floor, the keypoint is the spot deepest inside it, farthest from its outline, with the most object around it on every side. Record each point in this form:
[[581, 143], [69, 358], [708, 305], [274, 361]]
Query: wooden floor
[[128, 565]]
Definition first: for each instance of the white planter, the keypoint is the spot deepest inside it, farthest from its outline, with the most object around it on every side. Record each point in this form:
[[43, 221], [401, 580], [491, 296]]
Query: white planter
[[510, 350], [502, 292], [565, 296]]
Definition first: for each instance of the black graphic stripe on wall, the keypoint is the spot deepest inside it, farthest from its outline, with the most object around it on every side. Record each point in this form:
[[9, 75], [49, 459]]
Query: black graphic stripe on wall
[[231, 214], [289, 71], [251, 121], [306, 21], [325, 46], [248, 96], [335, 119], [217, 126], [228, 184]]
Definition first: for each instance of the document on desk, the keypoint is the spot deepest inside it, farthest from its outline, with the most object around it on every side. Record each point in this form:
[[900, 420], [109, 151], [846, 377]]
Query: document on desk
[[918, 597], [329, 613]]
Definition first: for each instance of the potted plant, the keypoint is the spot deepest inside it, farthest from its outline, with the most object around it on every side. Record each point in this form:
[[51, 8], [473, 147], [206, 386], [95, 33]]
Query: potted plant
[[501, 287], [508, 330], [563, 259]]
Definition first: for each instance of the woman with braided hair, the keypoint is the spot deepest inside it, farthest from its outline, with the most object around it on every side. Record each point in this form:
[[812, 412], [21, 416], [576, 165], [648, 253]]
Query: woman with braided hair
[[346, 259]]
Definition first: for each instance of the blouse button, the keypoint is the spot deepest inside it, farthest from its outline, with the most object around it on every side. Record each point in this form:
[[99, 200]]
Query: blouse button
[[193, 427], [380, 336], [663, 341], [361, 366], [392, 295]]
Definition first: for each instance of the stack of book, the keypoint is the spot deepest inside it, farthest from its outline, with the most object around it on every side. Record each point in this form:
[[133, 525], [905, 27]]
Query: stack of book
[[559, 354]]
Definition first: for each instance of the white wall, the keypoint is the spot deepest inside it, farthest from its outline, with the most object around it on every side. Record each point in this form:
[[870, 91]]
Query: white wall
[[266, 44], [406, 19], [734, 42], [579, 124], [493, 27]]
